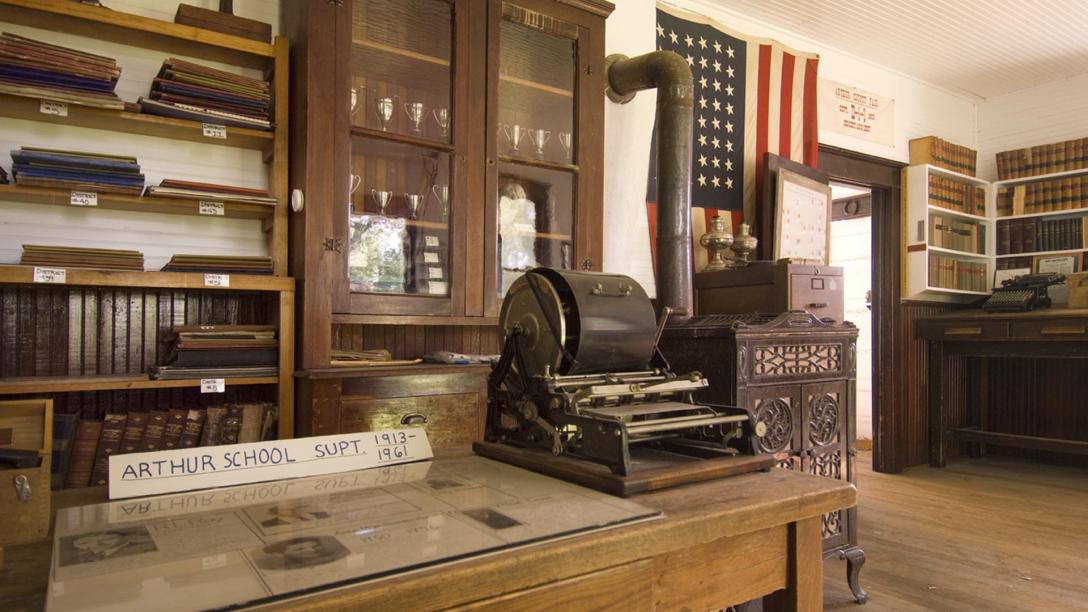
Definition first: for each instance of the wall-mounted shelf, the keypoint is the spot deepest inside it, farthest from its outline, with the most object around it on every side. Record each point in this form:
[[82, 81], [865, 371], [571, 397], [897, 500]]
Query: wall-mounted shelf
[[147, 204]]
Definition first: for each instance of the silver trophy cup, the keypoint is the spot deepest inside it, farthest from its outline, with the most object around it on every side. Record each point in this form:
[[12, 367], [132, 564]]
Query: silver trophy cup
[[539, 138], [414, 110], [442, 118], [384, 109], [381, 198], [442, 194], [567, 140], [515, 134], [414, 201]]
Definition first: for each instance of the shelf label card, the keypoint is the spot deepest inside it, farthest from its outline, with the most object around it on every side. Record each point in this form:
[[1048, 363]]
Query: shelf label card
[[434, 273], [212, 130], [430, 257], [217, 280], [431, 241], [52, 107], [55, 276], [437, 288], [215, 209], [188, 469], [213, 385], [84, 198]]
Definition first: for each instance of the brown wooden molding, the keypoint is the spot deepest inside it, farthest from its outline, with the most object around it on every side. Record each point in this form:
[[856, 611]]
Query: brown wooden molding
[[597, 7]]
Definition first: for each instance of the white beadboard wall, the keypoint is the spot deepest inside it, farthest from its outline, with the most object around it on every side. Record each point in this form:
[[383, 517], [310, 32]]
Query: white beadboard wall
[[158, 236], [921, 109], [1040, 115]]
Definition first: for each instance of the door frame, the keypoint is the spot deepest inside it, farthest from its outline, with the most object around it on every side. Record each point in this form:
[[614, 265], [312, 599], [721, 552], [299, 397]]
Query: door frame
[[882, 178]]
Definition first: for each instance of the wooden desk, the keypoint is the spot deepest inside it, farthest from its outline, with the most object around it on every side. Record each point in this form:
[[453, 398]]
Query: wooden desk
[[720, 543], [1050, 333]]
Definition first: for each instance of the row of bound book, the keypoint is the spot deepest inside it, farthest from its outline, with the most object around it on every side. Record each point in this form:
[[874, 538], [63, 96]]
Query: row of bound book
[[82, 448], [36, 69], [943, 154], [127, 260], [1043, 159], [952, 233], [1016, 263], [1040, 235], [953, 195], [951, 273], [1069, 193], [219, 351]]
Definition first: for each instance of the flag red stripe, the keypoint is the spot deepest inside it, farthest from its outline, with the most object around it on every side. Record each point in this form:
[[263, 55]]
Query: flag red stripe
[[785, 107], [763, 109], [811, 132]]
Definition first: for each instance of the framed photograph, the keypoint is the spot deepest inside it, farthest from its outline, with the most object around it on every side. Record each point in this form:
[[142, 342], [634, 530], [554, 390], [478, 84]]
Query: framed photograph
[[802, 224]]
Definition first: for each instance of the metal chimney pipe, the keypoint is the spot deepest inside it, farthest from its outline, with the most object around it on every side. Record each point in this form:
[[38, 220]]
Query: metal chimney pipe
[[670, 74]]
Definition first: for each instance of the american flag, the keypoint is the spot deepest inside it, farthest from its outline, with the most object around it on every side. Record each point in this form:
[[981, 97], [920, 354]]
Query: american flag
[[751, 96]]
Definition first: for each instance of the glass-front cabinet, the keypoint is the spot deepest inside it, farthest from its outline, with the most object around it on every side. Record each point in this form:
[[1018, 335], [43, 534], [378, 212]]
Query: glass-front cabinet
[[444, 147]]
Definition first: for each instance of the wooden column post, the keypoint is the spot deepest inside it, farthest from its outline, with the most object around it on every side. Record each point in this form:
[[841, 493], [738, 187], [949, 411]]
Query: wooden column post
[[805, 583]]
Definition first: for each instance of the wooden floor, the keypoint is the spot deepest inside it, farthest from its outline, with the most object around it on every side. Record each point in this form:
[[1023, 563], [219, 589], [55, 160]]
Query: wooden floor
[[981, 534]]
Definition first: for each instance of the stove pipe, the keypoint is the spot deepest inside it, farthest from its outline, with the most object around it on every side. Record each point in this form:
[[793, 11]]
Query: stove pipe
[[670, 74]]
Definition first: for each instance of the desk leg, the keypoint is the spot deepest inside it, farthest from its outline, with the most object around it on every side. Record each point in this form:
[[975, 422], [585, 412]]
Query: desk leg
[[936, 397], [805, 584]]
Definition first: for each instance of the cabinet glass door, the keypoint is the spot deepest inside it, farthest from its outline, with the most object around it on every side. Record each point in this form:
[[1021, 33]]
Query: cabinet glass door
[[534, 180], [401, 182]]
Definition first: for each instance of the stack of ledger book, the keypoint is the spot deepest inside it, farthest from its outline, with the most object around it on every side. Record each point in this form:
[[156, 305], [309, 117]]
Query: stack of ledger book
[[75, 257], [172, 188], [219, 351], [76, 170], [219, 264], [191, 91], [88, 444], [35, 69]]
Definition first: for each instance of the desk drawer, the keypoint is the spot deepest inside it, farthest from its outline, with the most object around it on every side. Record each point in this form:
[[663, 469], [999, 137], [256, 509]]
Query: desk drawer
[[818, 294], [1059, 329], [964, 330], [450, 420]]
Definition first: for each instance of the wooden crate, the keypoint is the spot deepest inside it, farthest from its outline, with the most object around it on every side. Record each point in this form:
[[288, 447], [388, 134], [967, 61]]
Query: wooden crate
[[27, 425], [1078, 289]]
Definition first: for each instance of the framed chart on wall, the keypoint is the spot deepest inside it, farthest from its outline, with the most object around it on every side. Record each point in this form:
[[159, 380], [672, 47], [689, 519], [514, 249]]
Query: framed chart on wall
[[802, 221]]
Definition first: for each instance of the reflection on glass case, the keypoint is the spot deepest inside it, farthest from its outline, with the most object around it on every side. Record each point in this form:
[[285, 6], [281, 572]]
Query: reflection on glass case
[[376, 255], [261, 543], [535, 221]]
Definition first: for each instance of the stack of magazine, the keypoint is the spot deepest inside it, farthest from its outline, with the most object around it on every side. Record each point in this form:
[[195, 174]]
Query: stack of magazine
[[219, 351], [191, 91], [173, 188], [76, 257], [219, 264], [35, 69], [97, 172]]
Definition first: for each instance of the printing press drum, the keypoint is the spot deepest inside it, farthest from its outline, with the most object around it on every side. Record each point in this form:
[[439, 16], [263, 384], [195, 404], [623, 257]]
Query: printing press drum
[[604, 321]]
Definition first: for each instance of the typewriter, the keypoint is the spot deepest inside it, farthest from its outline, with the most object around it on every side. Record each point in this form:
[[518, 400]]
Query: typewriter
[[1023, 293]]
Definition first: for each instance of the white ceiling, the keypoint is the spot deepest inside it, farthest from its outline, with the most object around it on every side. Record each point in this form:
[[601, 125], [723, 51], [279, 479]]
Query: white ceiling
[[980, 47]]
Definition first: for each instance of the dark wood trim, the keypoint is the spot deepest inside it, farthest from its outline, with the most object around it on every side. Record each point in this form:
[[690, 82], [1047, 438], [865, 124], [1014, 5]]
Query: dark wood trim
[[881, 176], [972, 434]]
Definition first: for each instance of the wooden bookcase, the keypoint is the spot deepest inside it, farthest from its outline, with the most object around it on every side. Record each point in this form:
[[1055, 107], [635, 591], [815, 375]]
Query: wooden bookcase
[[500, 69], [90, 340]]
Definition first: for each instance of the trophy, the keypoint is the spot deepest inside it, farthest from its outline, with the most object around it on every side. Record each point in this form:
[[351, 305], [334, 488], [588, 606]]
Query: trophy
[[414, 201], [442, 194], [567, 140], [382, 198], [442, 118], [514, 133], [356, 180], [354, 101], [716, 241], [384, 109], [414, 110], [539, 137]]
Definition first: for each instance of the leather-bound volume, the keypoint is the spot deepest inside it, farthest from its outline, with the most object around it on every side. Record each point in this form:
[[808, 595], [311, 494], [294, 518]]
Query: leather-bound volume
[[252, 420], [194, 424], [212, 426], [175, 424], [223, 22], [232, 425], [134, 432], [113, 429], [84, 448], [153, 433]]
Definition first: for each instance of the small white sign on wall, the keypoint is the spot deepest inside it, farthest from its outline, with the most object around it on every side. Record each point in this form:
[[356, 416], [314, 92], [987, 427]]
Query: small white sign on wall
[[188, 469], [856, 113]]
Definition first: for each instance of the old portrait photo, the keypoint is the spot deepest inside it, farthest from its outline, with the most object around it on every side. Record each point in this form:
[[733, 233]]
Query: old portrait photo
[[301, 552], [104, 545]]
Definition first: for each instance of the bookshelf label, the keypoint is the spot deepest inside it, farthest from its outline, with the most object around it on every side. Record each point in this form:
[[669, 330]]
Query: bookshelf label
[[434, 273], [437, 287], [431, 241], [55, 276], [84, 198], [212, 130], [213, 385], [214, 209], [52, 107], [430, 257], [217, 280]]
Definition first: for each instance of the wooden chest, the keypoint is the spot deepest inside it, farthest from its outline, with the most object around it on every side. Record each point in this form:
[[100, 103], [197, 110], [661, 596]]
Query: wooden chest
[[24, 492], [771, 288]]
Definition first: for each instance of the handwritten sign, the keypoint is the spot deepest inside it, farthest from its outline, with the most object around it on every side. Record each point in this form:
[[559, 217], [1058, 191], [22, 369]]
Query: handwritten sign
[[52, 107], [217, 280], [213, 385], [55, 276], [857, 113], [212, 130], [188, 469], [215, 209], [83, 198]]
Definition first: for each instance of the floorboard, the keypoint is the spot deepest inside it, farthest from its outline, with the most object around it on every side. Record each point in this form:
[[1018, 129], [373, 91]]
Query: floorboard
[[982, 534]]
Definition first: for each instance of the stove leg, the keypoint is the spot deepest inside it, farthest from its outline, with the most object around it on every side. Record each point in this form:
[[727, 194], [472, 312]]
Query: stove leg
[[855, 558]]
